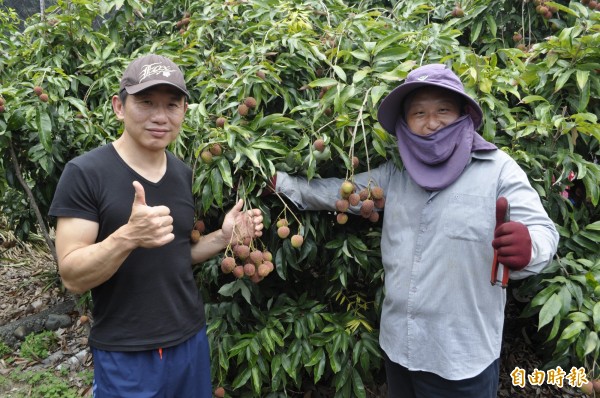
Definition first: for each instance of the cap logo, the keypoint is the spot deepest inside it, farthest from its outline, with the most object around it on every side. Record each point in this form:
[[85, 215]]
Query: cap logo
[[155, 69], [423, 78]]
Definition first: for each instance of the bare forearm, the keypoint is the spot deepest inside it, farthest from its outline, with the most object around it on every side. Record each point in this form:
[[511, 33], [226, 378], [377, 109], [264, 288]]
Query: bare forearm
[[90, 266], [209, 246]]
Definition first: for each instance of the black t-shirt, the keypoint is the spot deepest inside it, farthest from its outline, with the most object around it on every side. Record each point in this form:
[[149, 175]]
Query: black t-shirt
[[152, 301]]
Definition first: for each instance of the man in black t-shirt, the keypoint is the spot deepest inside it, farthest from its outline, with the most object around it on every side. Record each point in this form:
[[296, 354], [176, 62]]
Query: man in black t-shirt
[[148, 336]]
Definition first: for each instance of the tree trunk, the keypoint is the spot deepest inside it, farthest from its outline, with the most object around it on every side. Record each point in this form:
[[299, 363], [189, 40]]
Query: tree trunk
[[32, 202]]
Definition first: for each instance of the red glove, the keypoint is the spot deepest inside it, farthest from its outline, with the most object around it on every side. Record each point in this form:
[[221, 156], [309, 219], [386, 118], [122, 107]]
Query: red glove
[[511, 239]]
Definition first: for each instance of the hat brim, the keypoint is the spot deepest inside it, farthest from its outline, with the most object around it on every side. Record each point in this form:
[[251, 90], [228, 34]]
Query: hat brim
[[151, 83], [391, 106]]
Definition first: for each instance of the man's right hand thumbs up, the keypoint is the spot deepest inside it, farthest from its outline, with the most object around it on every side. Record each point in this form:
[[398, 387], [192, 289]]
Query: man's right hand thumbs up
[[140, 194], [148, 226]]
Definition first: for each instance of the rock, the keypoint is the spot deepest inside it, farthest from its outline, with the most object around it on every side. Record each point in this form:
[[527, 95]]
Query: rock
[[77, 361], [55, 321], [33, 323], [21, 332]]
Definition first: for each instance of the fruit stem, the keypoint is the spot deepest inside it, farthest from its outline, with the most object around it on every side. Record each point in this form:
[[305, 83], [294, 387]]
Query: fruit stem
[[362, 124], [325, 125], [286, 207]]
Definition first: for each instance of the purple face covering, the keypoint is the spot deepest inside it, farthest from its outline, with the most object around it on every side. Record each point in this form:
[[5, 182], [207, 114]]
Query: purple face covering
[[437, 160]]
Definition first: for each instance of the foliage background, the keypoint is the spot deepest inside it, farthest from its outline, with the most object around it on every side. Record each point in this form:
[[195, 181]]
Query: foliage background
[[318, 69]]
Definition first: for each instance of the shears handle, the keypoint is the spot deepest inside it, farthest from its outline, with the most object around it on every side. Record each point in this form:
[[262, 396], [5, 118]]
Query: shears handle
[[502, 216]]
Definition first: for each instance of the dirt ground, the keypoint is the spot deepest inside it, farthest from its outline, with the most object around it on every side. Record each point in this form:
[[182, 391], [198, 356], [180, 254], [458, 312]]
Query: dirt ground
[[28, 286]]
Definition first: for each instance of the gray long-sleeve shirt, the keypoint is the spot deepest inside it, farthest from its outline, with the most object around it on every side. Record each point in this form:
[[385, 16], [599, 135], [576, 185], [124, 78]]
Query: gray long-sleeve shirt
[[440, 313]]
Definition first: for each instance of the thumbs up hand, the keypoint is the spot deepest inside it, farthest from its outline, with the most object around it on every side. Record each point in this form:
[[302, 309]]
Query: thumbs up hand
[[148, 226]]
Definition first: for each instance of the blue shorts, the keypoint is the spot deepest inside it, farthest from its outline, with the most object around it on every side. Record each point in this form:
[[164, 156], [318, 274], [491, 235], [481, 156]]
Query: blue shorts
[[179, 371]]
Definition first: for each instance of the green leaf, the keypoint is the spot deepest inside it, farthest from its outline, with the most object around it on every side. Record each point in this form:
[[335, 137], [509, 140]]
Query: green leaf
[[549, 310], [592, 191], [391, 39], [582, 78], [271, 146], [207, 197], [245, 292], [376, 93], [108, 50], [572, 331], [78, 104], [323, 82], [287, 365], [596, 316], [357, 385], [225, 170], [216, 182], [320, 368], [591, 343], [562, 79], [491, 23], [555, 328], [334, 362], [361, 55], [239, 347], [357, 351], [275, 118], [475, 30], [44, 127], [360, 75], [339, 72], [16, 121], [251, 154], [242, 378], [256, 380], [579, 317], [595, 226], [357, 243], [223, 358], [544, 295], [277, 376], [533, 98], [315, 357]]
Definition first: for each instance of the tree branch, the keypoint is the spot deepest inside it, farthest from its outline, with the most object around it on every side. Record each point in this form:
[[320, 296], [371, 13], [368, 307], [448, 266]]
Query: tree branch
[[38, 214]]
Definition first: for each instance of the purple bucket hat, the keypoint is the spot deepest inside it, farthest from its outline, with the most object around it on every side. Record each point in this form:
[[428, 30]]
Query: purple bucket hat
[[428, 75]]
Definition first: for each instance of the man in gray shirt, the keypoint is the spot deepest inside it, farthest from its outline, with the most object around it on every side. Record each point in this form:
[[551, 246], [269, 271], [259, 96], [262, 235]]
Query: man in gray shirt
[[441, 324]]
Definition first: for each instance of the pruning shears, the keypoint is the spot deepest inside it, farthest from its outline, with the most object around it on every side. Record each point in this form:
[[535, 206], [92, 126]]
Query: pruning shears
[[502, 216]]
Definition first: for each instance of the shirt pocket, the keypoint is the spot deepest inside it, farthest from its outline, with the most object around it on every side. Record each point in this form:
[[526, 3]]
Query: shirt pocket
[[468, 217]]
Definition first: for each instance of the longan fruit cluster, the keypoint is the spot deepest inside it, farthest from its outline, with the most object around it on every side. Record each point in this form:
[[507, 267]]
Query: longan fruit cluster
[[283, 231], [243, 259], [197, 231], [247, 104], [39, 92], [545, 10], [212, 150], [183, 23], [369, 199]]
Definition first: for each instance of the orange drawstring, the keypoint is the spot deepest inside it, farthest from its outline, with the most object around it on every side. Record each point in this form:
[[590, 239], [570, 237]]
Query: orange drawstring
[[160, 353]]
